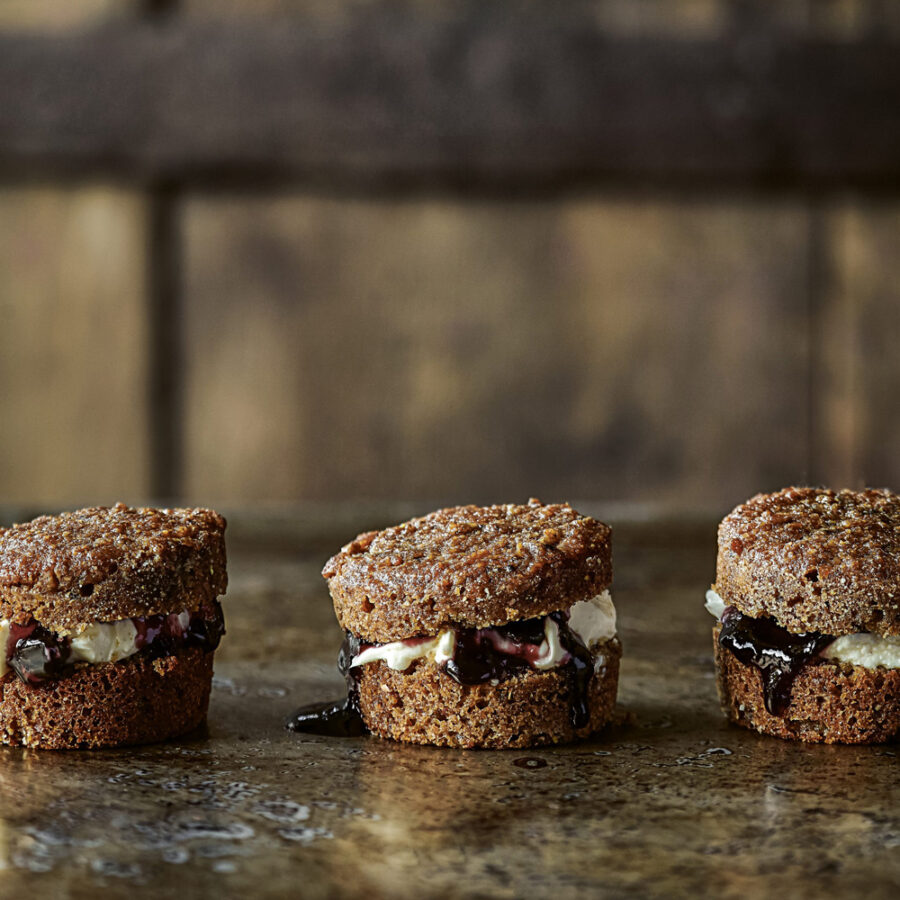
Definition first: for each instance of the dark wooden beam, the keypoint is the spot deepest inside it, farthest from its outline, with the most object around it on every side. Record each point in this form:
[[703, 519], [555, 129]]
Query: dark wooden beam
[[164, 280], [482, 99]]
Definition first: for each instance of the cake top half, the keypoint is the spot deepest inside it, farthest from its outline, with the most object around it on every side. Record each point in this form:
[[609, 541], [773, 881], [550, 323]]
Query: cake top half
[[814, 560], [468, 566], [107, 563]]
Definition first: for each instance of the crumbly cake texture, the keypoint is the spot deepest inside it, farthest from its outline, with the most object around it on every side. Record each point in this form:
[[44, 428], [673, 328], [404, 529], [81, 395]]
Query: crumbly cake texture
[[134, 701], [108, 563], [831, 702], [814, 560], [426, 706], [468, 566]]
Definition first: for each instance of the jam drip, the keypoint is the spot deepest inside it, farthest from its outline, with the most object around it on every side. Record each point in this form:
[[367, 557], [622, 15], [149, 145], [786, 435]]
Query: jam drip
[[778, 653], [481, 655], [340, 718], [582, 663], [39, 656]]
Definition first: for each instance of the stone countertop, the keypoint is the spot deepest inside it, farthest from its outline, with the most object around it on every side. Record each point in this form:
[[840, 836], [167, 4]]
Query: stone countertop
[[671, 802]]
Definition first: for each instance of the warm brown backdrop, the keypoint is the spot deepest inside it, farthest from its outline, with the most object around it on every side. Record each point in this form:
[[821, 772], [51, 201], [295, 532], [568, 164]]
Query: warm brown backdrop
[[233, 338]]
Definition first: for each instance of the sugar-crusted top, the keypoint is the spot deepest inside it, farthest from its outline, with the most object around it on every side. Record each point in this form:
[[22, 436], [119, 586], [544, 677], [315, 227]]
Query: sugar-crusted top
[[469, 566], [107, 563], [815, 560]]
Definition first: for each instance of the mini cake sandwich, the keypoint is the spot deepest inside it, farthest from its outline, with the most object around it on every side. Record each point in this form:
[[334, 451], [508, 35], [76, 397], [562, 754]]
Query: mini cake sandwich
[[108, 623], [807, 598], [477, 627]]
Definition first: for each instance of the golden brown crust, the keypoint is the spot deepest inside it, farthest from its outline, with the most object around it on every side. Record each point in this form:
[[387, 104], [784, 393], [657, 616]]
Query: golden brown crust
[[468, 566], [103, 564], [426, 706], [135, 701], [814, 560], [831, 702]]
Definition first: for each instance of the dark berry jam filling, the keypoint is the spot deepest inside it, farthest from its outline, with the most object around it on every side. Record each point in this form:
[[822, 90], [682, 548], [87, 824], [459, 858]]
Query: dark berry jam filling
[[492, 654], [163, 635], [582, 664], [337, 719], [340, 718], [481, 655], [39, 656], [778, 653]]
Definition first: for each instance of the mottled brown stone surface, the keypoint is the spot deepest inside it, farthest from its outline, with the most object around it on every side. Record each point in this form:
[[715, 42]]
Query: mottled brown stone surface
[[673, 802]]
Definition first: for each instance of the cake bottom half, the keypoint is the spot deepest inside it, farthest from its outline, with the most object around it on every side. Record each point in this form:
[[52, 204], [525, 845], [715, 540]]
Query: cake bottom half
[[134, 701], [424, 705], [831, 702]]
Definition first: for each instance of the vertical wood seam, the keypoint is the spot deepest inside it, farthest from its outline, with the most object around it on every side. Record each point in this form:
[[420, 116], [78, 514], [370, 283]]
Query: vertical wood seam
[[165, 376], [160, 7], [815, 285]]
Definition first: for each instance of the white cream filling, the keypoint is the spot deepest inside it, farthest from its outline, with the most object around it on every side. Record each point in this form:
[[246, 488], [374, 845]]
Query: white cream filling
[[400, 656], [594, 621], [103, 642], [867, 650], [715, 605], [551, 652], [99, 642]]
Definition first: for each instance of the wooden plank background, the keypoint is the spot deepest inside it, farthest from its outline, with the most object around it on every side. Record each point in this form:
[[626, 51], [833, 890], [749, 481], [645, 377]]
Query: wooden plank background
[[649, 253], [420, 348], [51, 16], [390, 97], [73, 345], [866, 305]]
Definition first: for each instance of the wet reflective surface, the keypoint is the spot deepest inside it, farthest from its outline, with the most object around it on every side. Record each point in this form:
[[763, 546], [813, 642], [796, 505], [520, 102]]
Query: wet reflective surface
[[670, 802]]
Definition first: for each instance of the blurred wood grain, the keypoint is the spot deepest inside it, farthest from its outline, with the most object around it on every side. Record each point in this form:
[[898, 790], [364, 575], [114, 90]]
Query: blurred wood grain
[[672, 19], [633, 250], [42, 16], [675, 18], [395, 94], [490, 350], [860, 325], [73, 346]]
